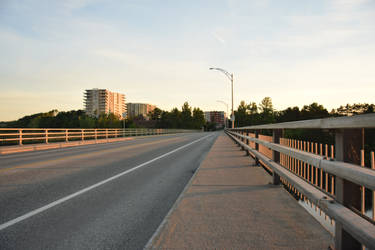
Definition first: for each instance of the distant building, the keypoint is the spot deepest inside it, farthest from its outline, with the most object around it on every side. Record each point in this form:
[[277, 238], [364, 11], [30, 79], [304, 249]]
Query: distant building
[[98, 101], [217, 117], [137, 109]]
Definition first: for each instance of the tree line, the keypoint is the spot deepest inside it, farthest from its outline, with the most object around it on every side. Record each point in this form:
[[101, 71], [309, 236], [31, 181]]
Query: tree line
[[186, 118], [264, 113], [247, 114]]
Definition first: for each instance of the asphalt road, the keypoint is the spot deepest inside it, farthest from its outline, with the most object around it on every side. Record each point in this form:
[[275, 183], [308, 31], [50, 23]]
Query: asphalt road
[[106, 196]]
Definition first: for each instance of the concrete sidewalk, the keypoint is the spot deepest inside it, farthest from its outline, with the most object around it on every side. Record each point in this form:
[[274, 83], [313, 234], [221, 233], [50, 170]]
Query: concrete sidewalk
[[230, 204]]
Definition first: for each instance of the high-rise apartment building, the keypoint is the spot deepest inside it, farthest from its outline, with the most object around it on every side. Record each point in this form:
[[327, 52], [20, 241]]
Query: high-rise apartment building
[[137, 109], [98, 101], [217, 117]]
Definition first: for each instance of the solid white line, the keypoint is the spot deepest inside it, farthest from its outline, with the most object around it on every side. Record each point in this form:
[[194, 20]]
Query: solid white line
[[59, 201]]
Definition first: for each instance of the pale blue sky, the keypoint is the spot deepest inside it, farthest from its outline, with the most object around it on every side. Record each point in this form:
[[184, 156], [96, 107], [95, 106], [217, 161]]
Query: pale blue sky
[[159, 52]]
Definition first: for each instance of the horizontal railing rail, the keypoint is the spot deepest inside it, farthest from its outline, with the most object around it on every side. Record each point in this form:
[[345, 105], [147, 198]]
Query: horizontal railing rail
[[358, 121], [352, 172], [21, 136], [335, 183]]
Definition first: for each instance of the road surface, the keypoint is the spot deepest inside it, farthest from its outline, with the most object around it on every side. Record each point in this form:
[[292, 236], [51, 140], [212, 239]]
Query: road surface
[[105, 196]]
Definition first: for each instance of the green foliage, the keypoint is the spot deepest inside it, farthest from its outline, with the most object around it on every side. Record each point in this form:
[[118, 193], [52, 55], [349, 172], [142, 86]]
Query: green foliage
[[355, 109], [251, 114], [155, 115], [70, 119], [184, 119], [198, 119]]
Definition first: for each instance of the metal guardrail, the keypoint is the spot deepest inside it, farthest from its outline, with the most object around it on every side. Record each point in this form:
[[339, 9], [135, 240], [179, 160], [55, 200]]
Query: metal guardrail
[[353, 229], [358, 121], [20, 136]]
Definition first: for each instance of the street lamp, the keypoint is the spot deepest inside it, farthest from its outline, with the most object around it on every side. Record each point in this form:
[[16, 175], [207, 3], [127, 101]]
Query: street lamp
[[230, 76], [124, 117], [226, 104]]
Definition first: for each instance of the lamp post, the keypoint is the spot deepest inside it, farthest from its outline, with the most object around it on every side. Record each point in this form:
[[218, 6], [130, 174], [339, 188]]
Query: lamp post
[[124, 117], [230, 76], [226, 104]]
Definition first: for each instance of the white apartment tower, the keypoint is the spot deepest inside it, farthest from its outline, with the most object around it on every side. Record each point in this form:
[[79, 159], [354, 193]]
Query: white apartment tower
[[98, 101]]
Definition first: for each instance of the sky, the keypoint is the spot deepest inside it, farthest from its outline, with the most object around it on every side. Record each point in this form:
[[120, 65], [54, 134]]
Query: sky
[[160, 51]]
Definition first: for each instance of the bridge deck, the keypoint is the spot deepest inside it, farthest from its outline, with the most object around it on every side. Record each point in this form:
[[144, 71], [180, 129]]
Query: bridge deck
[[230, 204]]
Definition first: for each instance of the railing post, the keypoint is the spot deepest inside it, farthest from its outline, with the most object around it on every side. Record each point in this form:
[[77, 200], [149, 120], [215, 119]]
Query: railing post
[[348, 144], [106, 133], [46, 132], [96, 134], [66, 135], [20, 137], [82, 136], [276, 134], [256, 132], [242, 139], [247, 143]]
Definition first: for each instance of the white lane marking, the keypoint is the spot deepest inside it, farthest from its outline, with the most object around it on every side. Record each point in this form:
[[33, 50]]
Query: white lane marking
[[59, 201]]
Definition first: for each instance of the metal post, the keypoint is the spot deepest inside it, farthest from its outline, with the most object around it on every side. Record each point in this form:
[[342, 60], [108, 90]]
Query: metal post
[[256, 146], [66, 135], [232, 102], [20, 137], [46, 135], [276, 134], [82, 136], [247, 143], [242, 139], [348, 144]]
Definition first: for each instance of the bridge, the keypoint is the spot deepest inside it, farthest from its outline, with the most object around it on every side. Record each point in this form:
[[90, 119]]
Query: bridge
[[247, 188]]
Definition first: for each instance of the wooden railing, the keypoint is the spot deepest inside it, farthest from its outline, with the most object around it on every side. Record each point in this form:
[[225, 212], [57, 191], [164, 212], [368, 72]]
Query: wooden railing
[[331, 178], [21, 136]]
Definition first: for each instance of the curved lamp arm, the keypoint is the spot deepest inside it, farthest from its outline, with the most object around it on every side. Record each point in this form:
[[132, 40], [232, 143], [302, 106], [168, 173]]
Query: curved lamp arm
[[229, 75]]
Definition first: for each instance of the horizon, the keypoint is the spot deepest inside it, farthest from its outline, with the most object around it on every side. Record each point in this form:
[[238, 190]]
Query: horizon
[[160, 53]]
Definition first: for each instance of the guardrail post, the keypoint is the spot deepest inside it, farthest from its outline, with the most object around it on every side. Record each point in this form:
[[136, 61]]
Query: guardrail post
[[242, 139], [256, 132], [20, 137], [46, 135], [106, 133], [247, 143], [348, 144], [82, 135], [66, 135], [276, 134], [96, 134]]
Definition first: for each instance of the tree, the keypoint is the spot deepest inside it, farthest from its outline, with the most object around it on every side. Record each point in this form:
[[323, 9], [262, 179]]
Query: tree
[[267, 111], [289, 114], [253, 108], [155, 114], [266, 106], [241, 114], [354, 109], [313, 111], [174, 118], [186, 117], [198, 119]]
